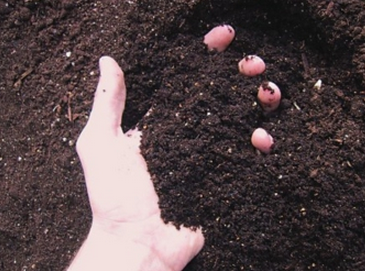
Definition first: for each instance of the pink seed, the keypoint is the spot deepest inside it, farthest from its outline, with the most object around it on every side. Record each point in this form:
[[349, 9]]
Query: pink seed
[[262, 140], [251, 65], [269, 96], [219, 38]]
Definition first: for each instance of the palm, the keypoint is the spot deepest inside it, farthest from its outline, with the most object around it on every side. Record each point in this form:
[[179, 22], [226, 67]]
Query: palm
[[120, 189], [119, 185]]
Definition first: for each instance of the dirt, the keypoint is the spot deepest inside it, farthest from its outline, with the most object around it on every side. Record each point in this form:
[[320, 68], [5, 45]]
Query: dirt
[[301, 207]]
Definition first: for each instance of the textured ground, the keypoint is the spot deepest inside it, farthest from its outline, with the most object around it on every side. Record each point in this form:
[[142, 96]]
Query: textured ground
[[300, 208]]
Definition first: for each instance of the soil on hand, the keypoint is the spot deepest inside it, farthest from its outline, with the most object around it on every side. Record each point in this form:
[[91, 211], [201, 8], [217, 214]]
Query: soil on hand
[[301, 207]]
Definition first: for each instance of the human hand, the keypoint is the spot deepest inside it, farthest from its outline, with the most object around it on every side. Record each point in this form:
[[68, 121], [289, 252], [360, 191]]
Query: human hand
[[127, 231]]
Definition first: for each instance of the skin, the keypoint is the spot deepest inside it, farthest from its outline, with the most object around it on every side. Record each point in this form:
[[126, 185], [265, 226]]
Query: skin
[[269, 96], [251, 65], [262, 140], [127, 231], [219, 38]]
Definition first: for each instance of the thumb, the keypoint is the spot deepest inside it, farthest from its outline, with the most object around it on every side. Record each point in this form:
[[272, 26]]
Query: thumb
[[110, 96]]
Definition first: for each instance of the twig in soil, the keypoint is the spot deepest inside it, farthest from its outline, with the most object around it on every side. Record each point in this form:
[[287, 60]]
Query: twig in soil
[[329, 8], [296, 106], [69, 110], [305, 65], [18, 82]]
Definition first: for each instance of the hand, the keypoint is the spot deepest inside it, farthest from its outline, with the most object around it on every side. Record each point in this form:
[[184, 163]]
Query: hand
[[126, 217]]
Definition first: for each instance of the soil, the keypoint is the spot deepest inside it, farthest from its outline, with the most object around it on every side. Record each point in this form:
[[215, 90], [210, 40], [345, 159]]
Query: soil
[[301, 207]]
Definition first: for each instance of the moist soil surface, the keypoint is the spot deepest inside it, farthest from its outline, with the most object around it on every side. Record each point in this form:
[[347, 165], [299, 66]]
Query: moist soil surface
[[301, 207]]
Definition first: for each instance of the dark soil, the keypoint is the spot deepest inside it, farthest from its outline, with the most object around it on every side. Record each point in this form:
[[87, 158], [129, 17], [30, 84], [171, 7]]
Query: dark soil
[[299, 208]]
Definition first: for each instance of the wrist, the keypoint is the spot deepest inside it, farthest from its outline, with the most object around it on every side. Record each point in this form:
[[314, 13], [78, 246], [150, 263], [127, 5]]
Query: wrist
[[106, 250]]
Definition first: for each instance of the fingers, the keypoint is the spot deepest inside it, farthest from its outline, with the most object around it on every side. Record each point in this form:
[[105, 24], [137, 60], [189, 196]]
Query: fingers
[[110, 96]]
